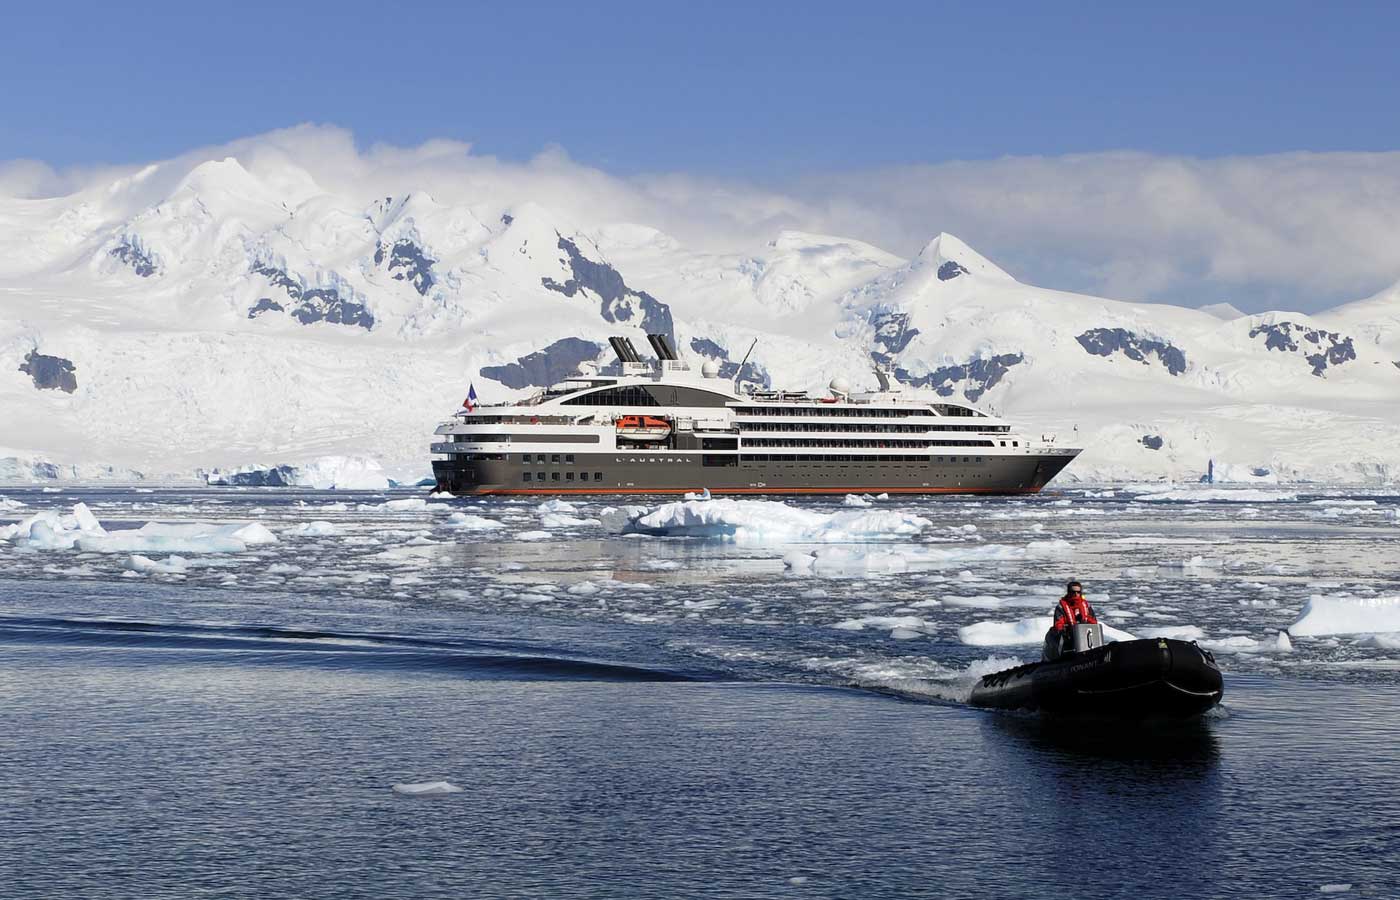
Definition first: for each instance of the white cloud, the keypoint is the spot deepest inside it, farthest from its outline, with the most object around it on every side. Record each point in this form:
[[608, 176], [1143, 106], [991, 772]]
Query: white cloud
[[1306, 230]]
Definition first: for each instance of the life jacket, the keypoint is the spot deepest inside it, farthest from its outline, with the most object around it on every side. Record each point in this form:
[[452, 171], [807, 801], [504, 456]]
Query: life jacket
[[1074, 613]]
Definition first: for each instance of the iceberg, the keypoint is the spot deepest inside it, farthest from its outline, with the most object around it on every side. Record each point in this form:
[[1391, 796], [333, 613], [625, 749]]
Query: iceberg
[[771, 522], [1345, 614]]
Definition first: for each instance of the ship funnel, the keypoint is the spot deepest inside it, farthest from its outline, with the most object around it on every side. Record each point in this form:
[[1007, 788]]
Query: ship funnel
[[622, 346], [662, 345]]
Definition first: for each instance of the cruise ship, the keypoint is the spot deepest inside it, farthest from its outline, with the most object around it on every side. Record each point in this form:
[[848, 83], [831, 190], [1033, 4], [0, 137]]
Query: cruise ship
[[660, 427]]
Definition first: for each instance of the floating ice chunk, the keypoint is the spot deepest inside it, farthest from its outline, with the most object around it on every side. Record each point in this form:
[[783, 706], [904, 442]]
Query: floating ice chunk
[[559, 520], [318, 528], [555, 506], [1378, 641], [702, 494], [7, 504], [443, 495], [846, 560], [404, 505], [616, 519], [254, 533], [584, 589], [194, 537], [1345, 614], [1338, 501], [1194, 563], [814, 594], [768, 522], [173, 565], [1021, 632], [1282, 643], [1194, 495], [916, 626], [469, 522], [533, 536], [1340, 887], [1006, 634], [857, 500], [50, 530], [427, 788], [1176, 632]]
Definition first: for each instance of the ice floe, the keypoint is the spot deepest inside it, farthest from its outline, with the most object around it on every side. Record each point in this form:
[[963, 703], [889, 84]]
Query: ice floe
[[770, 522], [469, 522], [318, 528], [427, 788], [1345, 614], [1021, 632], [51, 530], [1240, 495]]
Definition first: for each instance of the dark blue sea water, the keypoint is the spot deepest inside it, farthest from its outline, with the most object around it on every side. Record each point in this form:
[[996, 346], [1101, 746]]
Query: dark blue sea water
[[165, 736]]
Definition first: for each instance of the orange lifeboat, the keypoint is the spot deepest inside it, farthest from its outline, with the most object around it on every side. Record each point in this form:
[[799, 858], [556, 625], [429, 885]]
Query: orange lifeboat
[[643, 428]]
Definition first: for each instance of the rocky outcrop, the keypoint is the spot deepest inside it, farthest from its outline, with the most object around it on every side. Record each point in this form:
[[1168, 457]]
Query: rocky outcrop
[[950, 270], [892, 334], [619, 302], [974, 377], [406, 261], [50, 373], [1152, 441], [1321, 349], [309, 305], [542, 368], [141, 262], [1108, 341], [728, 369]]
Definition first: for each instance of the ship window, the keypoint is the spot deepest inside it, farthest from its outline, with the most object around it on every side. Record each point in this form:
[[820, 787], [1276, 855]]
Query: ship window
[[568, 476], [631, 395], [568, 457], [539, 476], [525, 477], [1015, 443], [556, 458], [583, 476], [554, 476], [597, 476]]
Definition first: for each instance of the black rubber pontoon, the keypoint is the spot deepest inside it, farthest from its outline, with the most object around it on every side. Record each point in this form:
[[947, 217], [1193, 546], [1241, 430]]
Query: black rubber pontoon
[[1157, 677]]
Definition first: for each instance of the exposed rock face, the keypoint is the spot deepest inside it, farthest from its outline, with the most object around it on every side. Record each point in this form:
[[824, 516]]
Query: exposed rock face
[[892, 334], [619, 302], [729, 369], [976, 376], [407, 262], [950, 270], [542, 368], [1327, 348], [1152, 441], [1108, 341], [310, 304], [141, 262], [50, 373]]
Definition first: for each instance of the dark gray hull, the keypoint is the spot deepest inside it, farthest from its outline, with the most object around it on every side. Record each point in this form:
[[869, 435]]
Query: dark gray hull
[[660, 472]]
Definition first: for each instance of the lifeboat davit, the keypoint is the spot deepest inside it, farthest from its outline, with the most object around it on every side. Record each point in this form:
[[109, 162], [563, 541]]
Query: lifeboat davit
[[643, 428], [1152, 678]]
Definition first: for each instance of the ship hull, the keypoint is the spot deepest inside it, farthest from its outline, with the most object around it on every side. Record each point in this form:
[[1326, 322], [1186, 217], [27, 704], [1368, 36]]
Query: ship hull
[[662, 473]]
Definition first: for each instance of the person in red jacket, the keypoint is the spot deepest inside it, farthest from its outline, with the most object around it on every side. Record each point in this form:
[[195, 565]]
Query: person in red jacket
[[1073, 609]]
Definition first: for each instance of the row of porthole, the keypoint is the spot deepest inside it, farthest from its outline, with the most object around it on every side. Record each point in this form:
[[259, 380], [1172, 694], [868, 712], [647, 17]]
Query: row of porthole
[[568, 476]]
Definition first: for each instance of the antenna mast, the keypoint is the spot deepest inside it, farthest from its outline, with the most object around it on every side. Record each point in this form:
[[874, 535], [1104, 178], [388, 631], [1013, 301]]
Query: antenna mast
[[739, 374]]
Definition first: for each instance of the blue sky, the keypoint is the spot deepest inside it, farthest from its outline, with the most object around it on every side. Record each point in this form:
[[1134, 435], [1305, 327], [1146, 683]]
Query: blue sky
[[1189, 152], [749, 89]]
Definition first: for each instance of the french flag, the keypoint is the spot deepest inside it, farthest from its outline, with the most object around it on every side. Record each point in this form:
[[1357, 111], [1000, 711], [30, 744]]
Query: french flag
[[470, 402]]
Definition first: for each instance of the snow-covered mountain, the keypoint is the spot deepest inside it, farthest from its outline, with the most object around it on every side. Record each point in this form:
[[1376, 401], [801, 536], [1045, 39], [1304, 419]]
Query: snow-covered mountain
[[212, 314]]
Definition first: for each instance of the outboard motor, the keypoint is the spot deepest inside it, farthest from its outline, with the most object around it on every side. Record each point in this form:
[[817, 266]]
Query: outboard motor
[[1075, 639], [1084, 637]]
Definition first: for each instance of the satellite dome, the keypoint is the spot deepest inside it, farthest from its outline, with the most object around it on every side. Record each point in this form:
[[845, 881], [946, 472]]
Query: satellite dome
[[710, 369], [840, 386]]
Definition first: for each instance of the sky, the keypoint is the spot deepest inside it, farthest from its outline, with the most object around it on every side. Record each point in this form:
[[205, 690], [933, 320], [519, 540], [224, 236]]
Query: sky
[[873, 114]]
